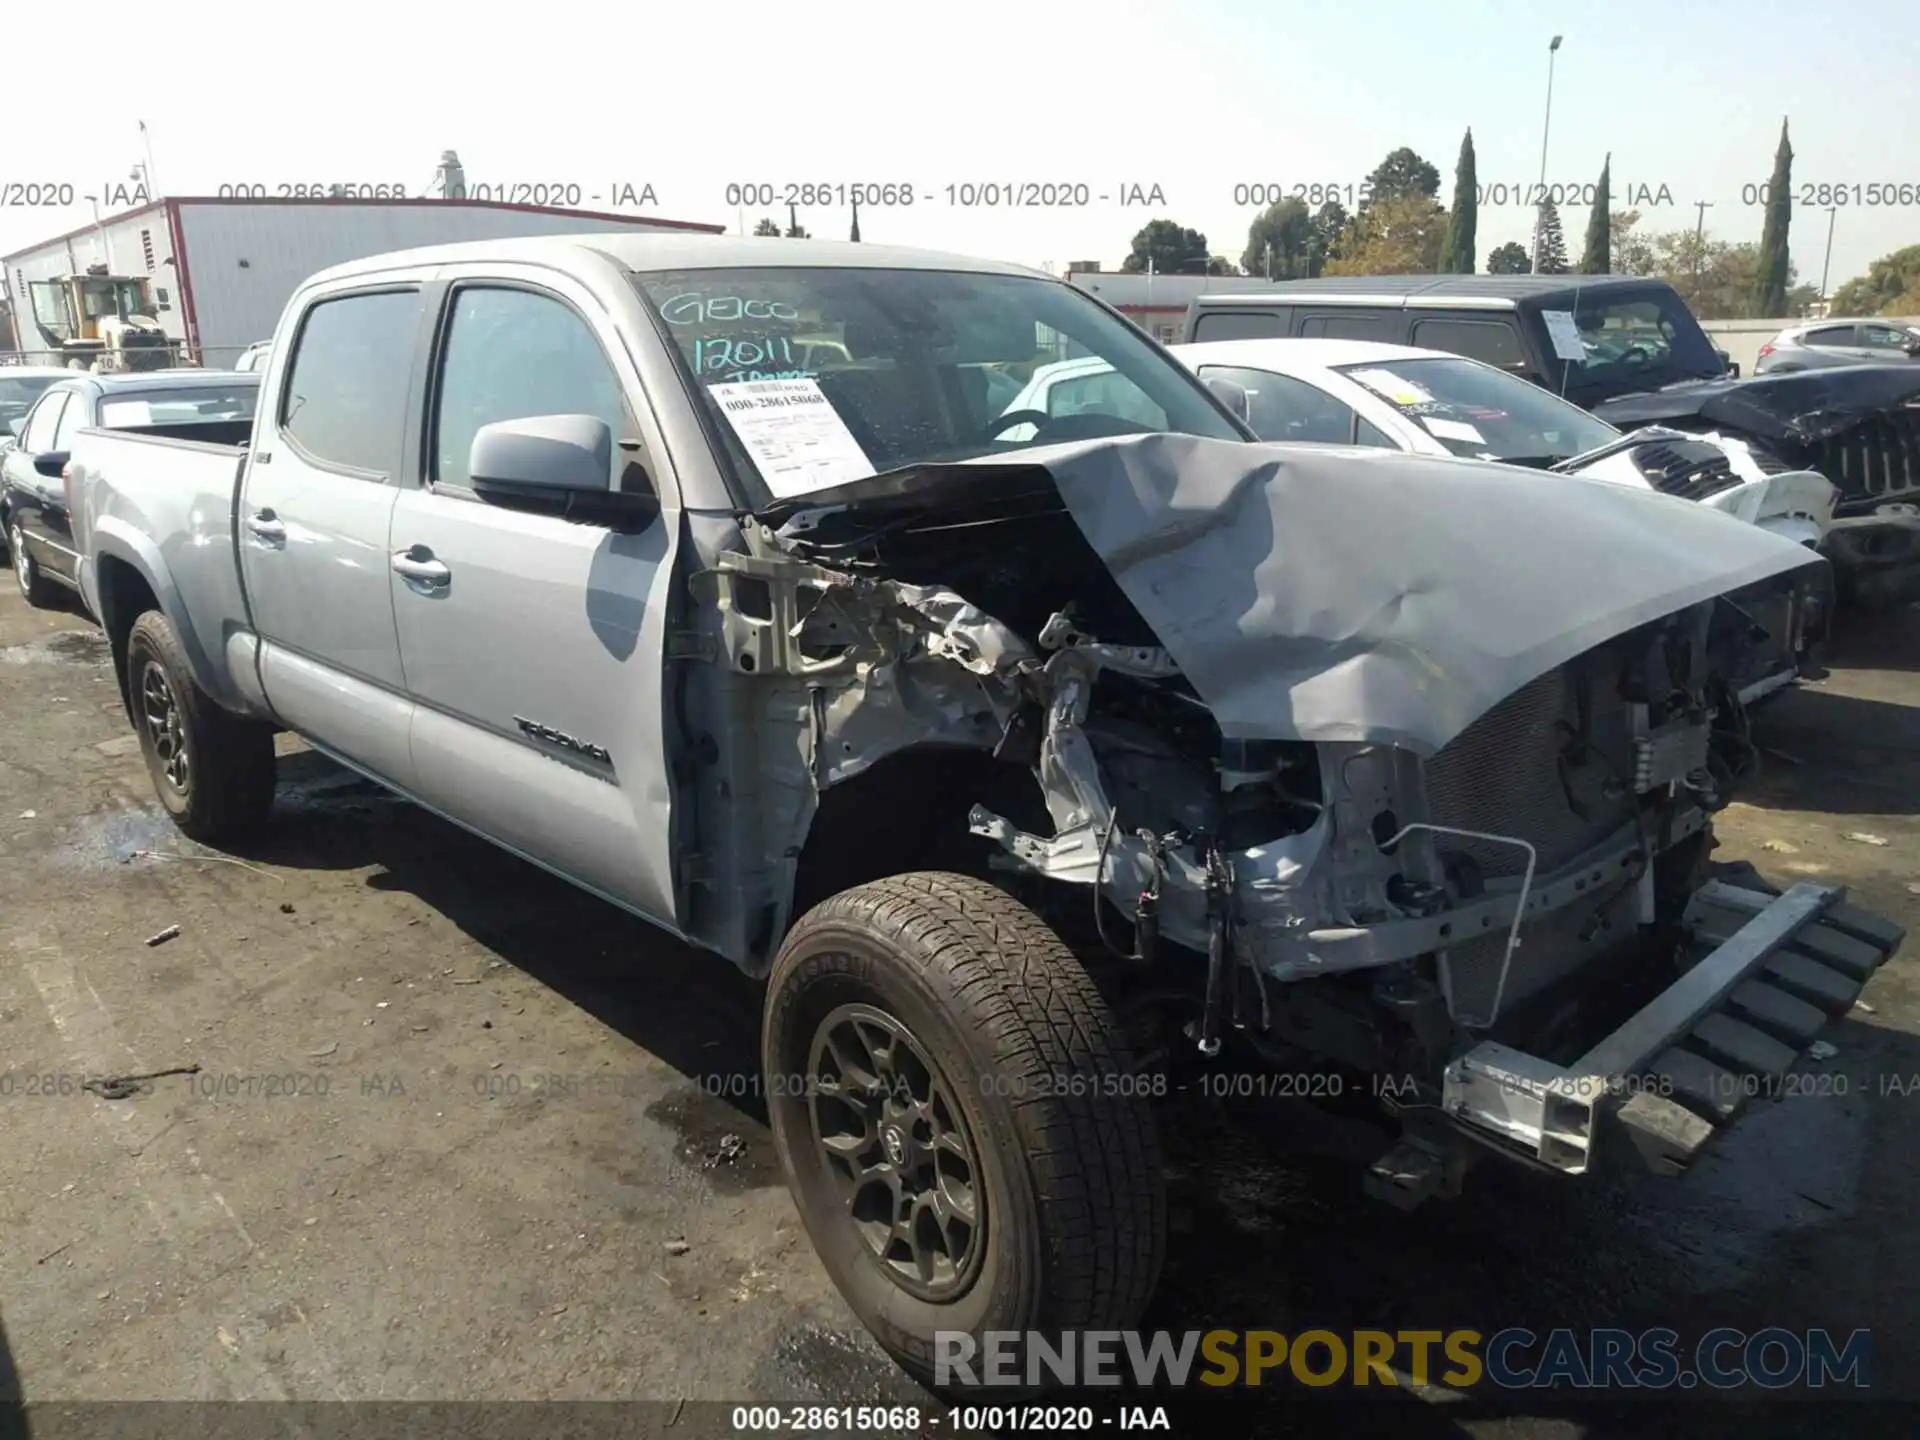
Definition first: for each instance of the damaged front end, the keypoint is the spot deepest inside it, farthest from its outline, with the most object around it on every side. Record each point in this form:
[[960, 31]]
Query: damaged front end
[[1857, 425], [1293, 716]]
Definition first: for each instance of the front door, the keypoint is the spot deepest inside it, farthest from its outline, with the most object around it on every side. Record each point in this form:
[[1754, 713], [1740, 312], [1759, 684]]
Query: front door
[[313, 520], [37, 504], [534, 646]]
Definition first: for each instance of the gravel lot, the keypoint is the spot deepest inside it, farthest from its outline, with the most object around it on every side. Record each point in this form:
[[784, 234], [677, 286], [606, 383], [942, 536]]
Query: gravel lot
[[460, 1131]]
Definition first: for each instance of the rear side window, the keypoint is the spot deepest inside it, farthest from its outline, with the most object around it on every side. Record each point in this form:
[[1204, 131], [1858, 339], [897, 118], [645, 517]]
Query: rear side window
[[1832, 335], [1493, 342], [1356, 326], [1240, 325], [345, 398]]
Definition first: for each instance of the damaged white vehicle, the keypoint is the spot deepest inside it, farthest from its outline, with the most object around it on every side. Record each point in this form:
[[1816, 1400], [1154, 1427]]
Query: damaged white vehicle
[[1011, 761]]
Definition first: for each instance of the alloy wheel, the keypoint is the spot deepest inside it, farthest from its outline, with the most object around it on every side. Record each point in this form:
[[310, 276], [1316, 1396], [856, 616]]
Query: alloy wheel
[[889, 1132], [166, 732]]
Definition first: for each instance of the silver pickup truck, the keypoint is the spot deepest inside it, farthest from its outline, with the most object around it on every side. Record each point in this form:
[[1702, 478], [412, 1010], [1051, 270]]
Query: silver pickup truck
[[709, 574]]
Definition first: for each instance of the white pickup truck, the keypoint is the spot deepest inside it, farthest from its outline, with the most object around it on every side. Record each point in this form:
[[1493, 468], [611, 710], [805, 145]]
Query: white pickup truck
[[808, 660]]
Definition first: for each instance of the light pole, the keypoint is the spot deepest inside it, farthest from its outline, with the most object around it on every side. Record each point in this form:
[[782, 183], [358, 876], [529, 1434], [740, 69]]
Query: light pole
[[1540, 213], [1699, 246], [146, 141], [1832, 210]]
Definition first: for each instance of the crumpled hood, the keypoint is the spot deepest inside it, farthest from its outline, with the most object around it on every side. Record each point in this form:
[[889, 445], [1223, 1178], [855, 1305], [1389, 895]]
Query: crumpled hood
[[1347, 594], [1802, 406]]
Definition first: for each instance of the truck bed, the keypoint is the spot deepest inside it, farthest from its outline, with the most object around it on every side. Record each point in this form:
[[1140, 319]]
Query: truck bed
[[130, 486]]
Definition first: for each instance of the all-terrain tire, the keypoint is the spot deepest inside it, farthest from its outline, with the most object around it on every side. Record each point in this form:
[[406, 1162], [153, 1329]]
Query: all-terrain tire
[[1068, 1160], [212, 769], [35, 588]]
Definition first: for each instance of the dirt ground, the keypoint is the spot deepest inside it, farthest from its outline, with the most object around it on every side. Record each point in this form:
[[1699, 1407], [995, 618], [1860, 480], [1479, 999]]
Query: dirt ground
[[460, 1131]]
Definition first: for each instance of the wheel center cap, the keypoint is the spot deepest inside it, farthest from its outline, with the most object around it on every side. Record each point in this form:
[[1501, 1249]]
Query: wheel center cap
[[894, 1140]]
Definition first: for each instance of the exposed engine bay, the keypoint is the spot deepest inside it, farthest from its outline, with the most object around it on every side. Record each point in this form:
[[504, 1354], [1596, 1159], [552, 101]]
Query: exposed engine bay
[[1447, 820]]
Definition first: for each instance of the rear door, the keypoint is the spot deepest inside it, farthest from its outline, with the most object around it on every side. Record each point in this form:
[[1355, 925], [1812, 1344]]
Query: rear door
[[534, 645], [1836, 343], [315, 510]]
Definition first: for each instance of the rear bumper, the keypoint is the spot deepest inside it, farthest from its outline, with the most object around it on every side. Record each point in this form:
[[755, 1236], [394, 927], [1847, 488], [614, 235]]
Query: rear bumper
[[1771, 972]]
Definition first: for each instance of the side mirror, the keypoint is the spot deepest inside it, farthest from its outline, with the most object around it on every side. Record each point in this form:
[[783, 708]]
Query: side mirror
[[1233, 395], [557, 464], [50, 463]]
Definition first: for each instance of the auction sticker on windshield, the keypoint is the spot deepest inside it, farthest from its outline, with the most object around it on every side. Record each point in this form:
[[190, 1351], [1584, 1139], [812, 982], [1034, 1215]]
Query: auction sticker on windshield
[[1452, 429], [1565, 335], [1400, 391], [795, 436]]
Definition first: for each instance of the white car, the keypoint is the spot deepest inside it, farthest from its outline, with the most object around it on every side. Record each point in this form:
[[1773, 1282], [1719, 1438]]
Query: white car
[[1428, 402]]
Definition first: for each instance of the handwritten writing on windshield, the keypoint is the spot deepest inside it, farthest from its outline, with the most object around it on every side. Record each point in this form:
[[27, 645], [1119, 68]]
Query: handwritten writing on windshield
[[753, 354]]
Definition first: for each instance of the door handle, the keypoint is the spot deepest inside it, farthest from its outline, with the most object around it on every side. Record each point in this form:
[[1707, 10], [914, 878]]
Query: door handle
[[418, 567], [267, 526]]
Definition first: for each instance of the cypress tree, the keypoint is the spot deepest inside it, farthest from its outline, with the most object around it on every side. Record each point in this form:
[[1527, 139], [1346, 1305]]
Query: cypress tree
[[1456, 248], [1550, 244], [1770, 281], [1598, 257]]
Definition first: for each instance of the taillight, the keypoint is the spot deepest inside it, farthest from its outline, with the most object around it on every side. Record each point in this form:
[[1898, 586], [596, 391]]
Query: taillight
[[1765, 350]]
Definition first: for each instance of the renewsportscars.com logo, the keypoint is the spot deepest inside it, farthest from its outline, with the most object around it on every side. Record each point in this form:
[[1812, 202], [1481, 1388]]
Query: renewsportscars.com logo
[[1511, 1359]]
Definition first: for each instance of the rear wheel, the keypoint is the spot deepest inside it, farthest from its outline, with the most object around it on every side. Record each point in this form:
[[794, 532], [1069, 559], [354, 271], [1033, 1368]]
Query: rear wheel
[[958, 1119], [212, 770], [35, 587]]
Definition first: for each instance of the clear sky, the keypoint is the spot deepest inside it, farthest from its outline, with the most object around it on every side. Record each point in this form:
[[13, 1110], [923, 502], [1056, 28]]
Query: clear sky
[[1194, 98]]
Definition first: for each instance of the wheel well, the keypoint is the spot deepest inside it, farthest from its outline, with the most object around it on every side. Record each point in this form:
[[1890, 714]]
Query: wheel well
[[909, 812], [125, 596]]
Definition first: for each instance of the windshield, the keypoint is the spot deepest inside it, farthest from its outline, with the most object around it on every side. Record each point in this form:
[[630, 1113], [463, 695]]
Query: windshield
[[819, 376], [1482, 413], [1634, 342], [179, 406]]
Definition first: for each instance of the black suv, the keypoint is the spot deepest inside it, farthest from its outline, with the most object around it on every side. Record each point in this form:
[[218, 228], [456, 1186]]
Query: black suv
[[1588, 338]]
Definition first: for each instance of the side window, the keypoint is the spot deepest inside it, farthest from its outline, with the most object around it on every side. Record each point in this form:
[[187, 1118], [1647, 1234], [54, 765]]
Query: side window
[[345, 397], [37, 439], [1104, 394], [1885, 337], [1371, 434], [511, 354], [1240, 325], [71, 419], [1492, 341], [1832, 335], [1283, 408], [1357, 325]]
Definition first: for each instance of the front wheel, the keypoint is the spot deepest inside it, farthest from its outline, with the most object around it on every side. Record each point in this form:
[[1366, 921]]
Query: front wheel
[[959, 1122], [212, 770]]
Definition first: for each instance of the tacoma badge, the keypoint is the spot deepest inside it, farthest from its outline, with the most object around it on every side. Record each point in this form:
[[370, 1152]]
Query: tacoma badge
[[535, 730]]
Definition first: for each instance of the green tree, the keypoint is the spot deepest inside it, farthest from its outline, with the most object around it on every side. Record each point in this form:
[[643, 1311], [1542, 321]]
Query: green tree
[[1396, 236], [1507, 259], [1401, 175], [1597, 259], [1456, 249], [766, 227], [1891, 286], [1550, 242], [1280, 242], [1771, 280], [1172, 249], [1331, 225], [1631, 253], [1221, 265]]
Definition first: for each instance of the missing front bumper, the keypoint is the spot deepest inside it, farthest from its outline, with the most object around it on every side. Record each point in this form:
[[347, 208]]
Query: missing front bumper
[[1684, 1067]]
